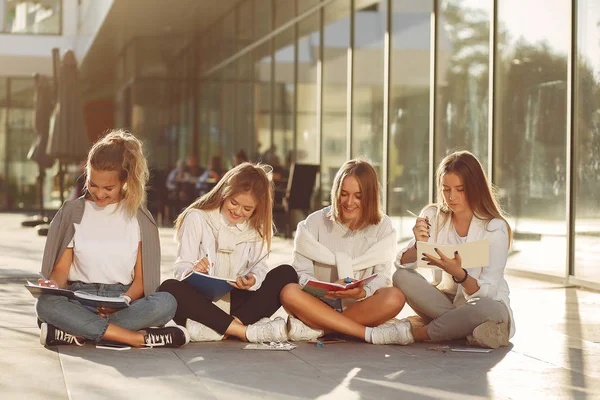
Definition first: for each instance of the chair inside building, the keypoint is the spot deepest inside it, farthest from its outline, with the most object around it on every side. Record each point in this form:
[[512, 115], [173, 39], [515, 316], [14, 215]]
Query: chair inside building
[[298, 194]]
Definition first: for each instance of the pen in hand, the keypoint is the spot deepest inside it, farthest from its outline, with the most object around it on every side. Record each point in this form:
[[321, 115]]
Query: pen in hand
[[416, 216]]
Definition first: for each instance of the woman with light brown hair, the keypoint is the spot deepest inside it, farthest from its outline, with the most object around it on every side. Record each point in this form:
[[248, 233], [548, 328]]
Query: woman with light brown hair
[[348, 241], [232, 227], [106, 243], [471, 303]]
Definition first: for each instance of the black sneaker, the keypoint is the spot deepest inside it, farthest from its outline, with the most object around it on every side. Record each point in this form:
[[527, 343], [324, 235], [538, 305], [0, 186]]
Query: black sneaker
[[52, 336], [169, 336]]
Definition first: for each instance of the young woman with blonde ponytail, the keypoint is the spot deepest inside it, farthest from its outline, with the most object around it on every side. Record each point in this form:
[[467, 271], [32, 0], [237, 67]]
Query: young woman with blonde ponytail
[[106, 243]]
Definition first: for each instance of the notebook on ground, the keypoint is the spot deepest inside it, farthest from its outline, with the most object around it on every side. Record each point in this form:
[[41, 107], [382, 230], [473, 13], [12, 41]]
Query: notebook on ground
[[474, 254], [83, 297], [320, 288]]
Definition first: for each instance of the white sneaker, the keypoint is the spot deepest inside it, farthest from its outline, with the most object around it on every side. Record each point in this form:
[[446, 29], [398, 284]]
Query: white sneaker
[[201, 333], [266, 332], [298, 331], [396, 333], [489, 335]]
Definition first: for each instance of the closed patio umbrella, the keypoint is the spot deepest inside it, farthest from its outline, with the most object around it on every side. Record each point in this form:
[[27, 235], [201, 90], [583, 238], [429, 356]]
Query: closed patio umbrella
[[43, 104], [68, 141]]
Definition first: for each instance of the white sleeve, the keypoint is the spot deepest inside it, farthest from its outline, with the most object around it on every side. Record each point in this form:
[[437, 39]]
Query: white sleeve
[[428, 212], [304, 266], [383, 271], [260, 270], [493, 274], [188, 244]]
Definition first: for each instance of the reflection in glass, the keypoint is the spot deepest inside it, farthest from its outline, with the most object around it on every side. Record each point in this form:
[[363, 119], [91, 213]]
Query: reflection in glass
[[367, 107], [530, 131], [283, 135], [307, 141], [408, 156], [22, 173], [32, 17], [463, 78], [586, 173], [336, 37], [262, 101]]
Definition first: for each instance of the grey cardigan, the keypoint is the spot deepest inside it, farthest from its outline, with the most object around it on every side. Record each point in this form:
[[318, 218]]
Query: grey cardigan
[[62, 231]]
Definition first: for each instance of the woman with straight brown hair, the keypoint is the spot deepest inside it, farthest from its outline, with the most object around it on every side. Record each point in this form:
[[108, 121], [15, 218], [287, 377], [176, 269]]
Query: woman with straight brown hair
[[348, 241], [470, 303]]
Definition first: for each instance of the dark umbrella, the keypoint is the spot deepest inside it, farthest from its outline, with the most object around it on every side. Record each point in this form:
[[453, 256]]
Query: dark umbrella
[[68, 141], [43, 104]]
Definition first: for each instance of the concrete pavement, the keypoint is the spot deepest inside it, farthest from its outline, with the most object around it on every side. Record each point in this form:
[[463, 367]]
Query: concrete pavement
[[555, 353]]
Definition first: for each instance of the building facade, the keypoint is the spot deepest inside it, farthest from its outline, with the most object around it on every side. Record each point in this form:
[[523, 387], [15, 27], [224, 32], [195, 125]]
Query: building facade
[[400, 82]]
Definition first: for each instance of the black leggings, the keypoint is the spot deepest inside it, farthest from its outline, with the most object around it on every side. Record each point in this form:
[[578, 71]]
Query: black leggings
[[247, 306]]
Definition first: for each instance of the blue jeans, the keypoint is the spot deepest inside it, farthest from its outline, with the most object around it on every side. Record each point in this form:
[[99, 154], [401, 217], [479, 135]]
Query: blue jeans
[[72, 317]]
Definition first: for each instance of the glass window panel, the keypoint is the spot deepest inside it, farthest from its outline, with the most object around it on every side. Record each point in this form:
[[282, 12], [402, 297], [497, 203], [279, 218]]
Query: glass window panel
[[408, 158], [245, 104], [367, 107], [22, 173], [304, 5], [245, 25], [463, 78], [586, 174], [263, 62], [4, 198], [285, 10], [336, 38], [530, 131], [262, 17], [283, 135], [32, 17], [307, 140]]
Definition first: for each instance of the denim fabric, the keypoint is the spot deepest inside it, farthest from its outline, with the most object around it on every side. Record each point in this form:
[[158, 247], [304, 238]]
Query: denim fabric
[[72, 317]]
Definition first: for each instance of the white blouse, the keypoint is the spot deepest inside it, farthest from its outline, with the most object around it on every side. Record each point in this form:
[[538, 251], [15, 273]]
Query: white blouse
[[196, 240]]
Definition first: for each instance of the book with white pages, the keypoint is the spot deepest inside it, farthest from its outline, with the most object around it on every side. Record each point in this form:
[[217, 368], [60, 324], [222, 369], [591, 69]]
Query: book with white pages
[[84, 298], [475, 254]]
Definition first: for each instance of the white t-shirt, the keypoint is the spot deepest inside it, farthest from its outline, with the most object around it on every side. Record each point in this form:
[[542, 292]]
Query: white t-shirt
[[105, 245]]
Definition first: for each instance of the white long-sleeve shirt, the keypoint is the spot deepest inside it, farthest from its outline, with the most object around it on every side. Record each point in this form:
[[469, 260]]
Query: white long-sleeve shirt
[[337, 237], [196, 240], [489, 278]]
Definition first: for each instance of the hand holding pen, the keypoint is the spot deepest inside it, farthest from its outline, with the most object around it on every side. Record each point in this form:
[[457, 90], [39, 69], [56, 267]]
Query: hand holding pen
[[203, 265], [421, 228]]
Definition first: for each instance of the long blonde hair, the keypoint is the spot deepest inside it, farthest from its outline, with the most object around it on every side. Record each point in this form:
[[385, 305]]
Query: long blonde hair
[[122, 152], [366, 176], [244, 178], [480, 194]]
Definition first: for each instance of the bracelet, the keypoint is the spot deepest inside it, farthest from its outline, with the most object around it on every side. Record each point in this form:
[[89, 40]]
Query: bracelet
[[463, 279]]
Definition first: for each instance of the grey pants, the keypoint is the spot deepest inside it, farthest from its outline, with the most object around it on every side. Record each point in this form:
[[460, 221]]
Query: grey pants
[[448, 321]]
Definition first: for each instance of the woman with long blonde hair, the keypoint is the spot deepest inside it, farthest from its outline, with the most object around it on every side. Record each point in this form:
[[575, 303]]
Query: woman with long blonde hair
[[471, 303], [106, 243], [221, 234]]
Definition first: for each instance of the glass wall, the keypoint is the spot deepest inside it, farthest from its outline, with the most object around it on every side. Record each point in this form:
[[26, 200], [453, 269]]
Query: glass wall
[[309, 64], [284, 98], [531, 127], [334, 138], [41, 17], [367, 81], [586, 171], [318, 92], [408, 155], [463, 58]]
